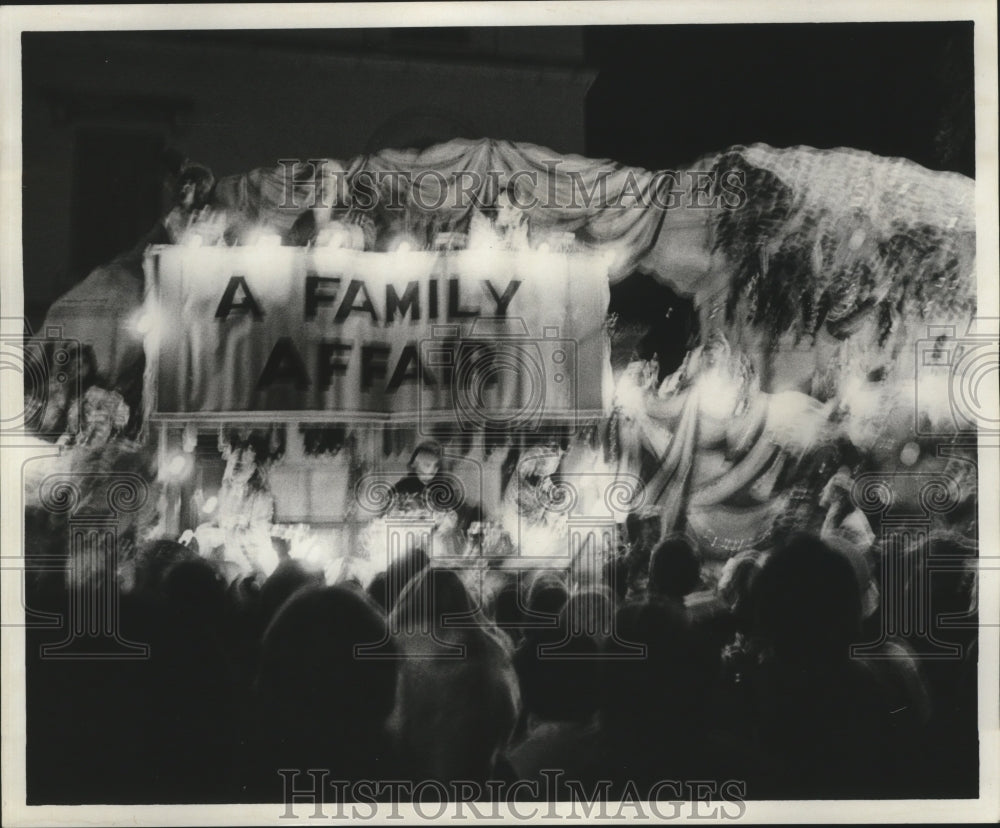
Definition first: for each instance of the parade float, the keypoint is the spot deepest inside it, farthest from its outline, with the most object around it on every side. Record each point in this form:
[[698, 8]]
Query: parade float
[[290, 367]]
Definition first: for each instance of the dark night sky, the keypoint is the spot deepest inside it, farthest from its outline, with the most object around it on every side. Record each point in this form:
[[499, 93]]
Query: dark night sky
[[666, 95]]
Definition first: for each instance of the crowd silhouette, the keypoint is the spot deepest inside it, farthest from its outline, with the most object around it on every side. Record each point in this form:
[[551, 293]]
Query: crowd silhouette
[[426, 674]]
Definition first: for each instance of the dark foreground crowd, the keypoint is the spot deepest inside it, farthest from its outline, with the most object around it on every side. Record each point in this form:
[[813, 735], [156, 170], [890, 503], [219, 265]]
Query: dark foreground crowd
[[642, 675]]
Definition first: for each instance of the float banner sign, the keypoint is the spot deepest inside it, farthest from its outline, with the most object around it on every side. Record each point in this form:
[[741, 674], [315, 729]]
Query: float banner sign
[[499, 335]]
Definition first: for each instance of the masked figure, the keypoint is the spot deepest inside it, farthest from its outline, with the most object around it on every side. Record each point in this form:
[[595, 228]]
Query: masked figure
[[243, 517]]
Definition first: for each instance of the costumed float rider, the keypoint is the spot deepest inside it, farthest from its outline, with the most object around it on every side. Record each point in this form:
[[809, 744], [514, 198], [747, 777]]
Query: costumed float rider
[[192, 212], [534, 505], [332, 218], [427, 491], [241, 531], [502, 224]]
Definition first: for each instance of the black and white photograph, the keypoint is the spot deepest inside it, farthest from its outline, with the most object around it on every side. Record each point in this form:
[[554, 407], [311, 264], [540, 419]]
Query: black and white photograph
[[500, 412]]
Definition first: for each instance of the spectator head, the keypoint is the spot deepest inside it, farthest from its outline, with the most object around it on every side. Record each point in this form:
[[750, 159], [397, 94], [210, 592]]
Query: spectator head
[[560, 671], [195, 589], [377, 591], [154, 560], [547, 594], [806, 601], [857, 555], [505, 607], [674, 570], [312, 684], [429, 599], [563, 687], [589, 613], [615, 574], [660, 694], [387, 586], [287, 579], [955, 587], [663, 628]]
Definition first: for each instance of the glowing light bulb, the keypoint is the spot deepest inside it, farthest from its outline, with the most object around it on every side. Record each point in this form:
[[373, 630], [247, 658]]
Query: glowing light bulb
[[910, 454], [613, 258], [144, 324], [177, 465]]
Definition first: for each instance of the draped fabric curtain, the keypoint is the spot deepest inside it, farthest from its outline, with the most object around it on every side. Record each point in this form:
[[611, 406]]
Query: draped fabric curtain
[[604, 203]]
